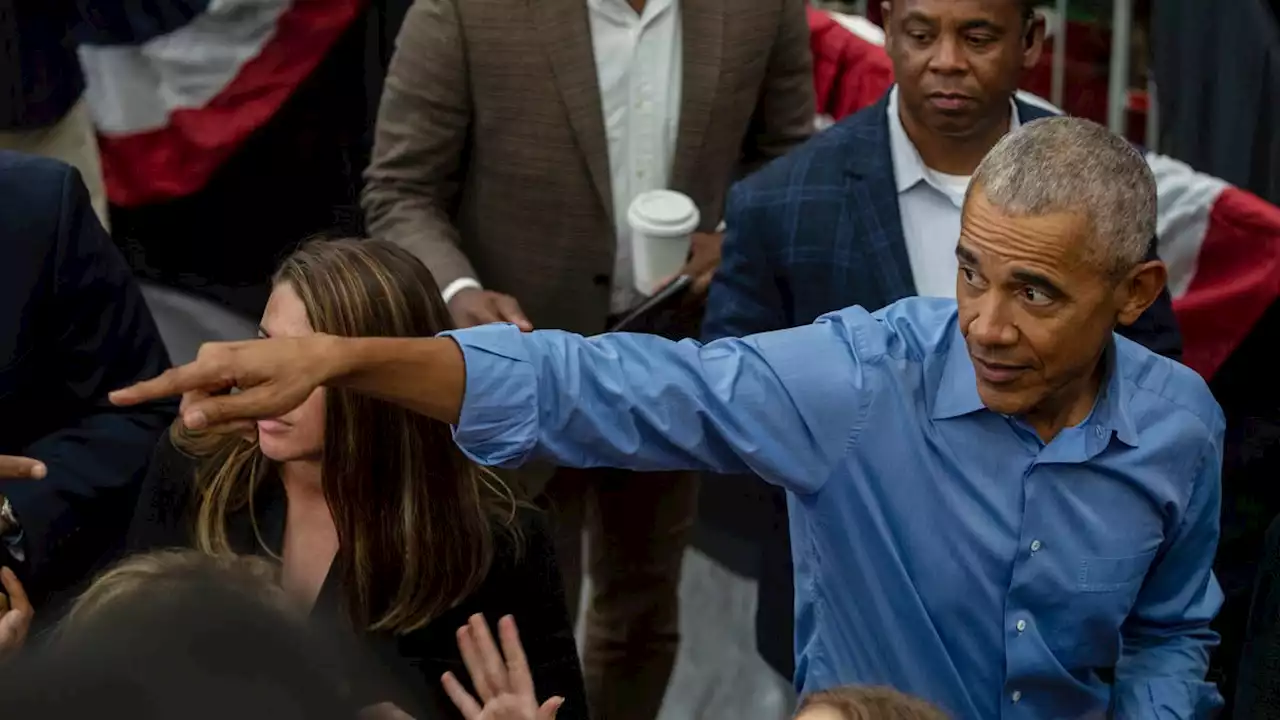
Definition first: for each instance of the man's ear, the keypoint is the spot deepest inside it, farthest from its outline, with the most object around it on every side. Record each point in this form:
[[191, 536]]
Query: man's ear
[[1139, 290], [886, 14], [1033, 42]]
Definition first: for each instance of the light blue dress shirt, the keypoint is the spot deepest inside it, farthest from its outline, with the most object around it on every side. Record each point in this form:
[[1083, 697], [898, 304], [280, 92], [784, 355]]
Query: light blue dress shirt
[[939, 547]]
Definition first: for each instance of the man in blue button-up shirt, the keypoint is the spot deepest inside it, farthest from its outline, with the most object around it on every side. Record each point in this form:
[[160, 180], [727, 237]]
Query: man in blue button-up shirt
[[996, 503]]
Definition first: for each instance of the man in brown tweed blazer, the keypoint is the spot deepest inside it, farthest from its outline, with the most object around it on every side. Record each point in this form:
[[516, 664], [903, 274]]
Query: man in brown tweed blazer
[[512, 136]]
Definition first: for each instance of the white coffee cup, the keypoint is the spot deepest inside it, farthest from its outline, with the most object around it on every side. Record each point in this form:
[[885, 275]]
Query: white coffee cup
[[661, 223]]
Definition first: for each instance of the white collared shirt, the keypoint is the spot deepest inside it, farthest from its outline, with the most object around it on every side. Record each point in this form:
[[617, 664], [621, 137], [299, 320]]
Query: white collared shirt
[[639, 60], [930, 203]]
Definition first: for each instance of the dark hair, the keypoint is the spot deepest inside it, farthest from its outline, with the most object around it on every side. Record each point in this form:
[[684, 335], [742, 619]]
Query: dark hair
[[417, 520], [856, 702]]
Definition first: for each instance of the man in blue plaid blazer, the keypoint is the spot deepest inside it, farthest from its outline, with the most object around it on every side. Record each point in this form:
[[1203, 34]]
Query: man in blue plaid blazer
[[867, 213]]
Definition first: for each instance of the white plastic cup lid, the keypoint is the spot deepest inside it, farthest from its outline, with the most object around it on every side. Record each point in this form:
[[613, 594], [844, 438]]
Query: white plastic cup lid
[[663, 213]]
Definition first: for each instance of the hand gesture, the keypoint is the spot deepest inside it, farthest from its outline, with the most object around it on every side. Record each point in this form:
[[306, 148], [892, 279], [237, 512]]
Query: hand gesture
[[273, 375], [505, 687], [473, 306], [15, 615], [21, 468]]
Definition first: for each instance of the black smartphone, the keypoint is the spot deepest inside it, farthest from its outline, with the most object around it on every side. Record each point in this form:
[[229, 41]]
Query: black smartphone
[[665, 297]]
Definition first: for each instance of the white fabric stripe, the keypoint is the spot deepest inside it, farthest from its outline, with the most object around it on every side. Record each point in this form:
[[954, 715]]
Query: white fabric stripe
[[859, 26], [1185, 200], [134, 89]]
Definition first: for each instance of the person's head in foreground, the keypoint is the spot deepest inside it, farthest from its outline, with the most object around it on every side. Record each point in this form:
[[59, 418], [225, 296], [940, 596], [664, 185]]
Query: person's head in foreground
[[1053, 238], [179, 634], [958, 62], [415, 518], [865, 703], [157, 577]]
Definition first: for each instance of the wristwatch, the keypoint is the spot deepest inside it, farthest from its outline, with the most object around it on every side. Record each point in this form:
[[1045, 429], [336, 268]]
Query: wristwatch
[[8, 521]]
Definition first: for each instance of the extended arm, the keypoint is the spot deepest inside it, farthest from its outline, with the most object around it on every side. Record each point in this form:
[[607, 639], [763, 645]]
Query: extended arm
[[645, 403], [1167, 639], [783, 405], [420, 139]]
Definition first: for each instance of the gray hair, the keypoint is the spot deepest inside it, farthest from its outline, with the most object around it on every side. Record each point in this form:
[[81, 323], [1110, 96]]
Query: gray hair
[[1065, 164]]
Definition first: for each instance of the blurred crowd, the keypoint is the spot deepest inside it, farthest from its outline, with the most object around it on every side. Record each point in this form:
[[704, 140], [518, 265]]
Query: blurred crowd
[[532, 281]]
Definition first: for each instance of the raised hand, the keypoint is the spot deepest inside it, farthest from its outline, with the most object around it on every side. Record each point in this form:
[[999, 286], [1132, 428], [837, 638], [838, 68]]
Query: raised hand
[[15, 615], [18, 468], [505, 686], [273, 376]]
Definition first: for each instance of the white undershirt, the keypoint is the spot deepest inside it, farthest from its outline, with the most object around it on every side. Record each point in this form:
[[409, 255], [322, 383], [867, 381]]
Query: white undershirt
[[639, 59], [930, 203]]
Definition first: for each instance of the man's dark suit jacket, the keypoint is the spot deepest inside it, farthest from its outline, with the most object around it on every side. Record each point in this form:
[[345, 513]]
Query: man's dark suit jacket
[[73, 326], [814, 232]]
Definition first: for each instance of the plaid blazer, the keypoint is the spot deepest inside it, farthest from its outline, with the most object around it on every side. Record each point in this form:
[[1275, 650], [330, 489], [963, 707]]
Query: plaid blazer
[[820, 231], [491, 161]]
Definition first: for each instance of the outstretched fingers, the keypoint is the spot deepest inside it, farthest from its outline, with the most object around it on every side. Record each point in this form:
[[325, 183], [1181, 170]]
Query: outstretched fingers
[[237, 410], [462, 699], [197, 376], [519, 676]]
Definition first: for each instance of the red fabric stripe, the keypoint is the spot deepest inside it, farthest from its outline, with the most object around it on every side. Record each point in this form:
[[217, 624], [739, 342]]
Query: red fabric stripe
[[178, 159], [1237, 278]]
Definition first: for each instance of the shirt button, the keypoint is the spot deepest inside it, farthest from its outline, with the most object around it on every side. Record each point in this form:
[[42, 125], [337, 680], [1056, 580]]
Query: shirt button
[[1022, 625], [1016, 696], [1035, 546], [1098, 429]]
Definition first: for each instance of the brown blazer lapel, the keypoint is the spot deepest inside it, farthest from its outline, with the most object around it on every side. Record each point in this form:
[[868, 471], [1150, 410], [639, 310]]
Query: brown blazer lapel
[[566, 32], [703, 45]]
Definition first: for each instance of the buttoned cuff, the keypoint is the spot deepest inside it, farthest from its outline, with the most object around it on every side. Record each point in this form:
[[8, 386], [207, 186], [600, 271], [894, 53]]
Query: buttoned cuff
[[498, 425]]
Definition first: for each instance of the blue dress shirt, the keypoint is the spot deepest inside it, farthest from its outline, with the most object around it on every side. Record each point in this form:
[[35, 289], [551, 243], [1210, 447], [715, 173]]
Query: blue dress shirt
[[939, 547]]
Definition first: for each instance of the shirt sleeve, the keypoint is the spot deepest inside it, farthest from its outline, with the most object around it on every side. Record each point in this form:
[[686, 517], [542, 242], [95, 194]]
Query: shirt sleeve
[[783, 405], [1161, 674]]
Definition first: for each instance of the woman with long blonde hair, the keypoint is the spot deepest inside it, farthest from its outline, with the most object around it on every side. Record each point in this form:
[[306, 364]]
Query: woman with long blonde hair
[[380, 524]]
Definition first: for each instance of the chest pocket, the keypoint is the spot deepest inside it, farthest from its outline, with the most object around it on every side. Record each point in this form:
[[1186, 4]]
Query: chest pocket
[[1113, 575], [1105, 591]]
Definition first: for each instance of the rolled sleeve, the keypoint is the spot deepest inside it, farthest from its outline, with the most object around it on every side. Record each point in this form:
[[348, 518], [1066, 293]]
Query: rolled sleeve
[[641, 402], [498, 425]]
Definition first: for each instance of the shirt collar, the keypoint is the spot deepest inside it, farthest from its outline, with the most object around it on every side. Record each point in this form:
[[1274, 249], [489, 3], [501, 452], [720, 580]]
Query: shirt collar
[[908, 167], [1111, 412], [957, 391]]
